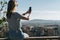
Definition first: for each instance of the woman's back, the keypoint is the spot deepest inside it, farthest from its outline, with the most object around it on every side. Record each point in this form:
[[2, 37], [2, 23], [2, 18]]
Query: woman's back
[[14, 21]]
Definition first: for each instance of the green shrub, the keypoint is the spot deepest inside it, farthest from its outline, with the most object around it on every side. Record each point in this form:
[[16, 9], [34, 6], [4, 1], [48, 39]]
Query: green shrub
[[1, 21]]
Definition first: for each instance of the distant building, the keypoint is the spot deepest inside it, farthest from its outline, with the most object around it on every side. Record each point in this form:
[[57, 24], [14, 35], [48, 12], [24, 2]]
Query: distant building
[[52, 30], [44, 30]]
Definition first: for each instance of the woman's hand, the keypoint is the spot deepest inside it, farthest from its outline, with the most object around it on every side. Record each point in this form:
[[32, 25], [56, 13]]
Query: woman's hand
[[28, 12], [24, 13]]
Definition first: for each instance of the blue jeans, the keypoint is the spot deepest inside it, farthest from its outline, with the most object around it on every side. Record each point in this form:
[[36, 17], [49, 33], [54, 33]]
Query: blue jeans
[[15, 35]]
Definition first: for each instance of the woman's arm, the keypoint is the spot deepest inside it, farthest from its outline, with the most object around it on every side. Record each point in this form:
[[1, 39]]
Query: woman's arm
[[25, 18], [28, 12]]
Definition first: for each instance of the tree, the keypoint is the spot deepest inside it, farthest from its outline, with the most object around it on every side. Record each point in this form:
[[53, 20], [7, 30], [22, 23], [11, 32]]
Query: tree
[[3, 7]]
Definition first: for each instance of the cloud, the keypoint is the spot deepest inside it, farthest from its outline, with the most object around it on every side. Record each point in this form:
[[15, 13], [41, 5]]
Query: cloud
[[45, 11], [45, 14]]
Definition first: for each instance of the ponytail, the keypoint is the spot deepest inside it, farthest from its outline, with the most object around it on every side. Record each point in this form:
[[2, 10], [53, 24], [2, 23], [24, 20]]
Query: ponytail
[[11, 5]]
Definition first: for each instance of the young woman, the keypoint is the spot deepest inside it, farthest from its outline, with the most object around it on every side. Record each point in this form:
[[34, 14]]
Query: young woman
[[13, 19]]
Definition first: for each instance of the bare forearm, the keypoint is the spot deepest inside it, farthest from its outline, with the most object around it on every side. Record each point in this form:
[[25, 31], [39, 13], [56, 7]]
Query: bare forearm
[[25, 18]]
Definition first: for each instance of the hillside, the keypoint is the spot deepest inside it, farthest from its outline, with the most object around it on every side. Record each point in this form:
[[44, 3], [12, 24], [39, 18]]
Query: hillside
[[40, 22]]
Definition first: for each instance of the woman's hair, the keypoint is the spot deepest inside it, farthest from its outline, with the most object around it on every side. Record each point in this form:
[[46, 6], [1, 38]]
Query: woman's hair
[[11, 5]]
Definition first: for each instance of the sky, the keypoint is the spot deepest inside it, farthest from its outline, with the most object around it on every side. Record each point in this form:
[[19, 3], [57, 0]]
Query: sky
[[41, 9]]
